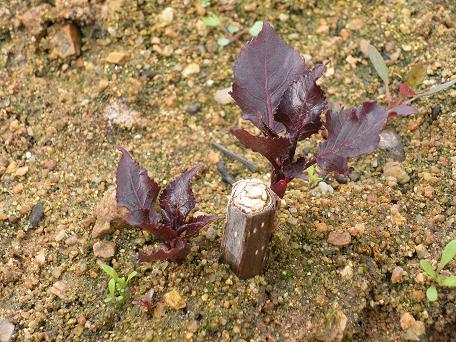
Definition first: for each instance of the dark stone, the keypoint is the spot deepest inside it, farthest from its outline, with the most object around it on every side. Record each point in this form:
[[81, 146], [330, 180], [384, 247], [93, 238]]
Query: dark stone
[[354, 176], [435, 112], [37, 214], [149, 73], [193, 108], [341, 179]]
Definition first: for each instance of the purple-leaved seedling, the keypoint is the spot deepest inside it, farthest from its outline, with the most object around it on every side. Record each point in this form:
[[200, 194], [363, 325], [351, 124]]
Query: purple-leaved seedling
[[278, 93], [137, 192]]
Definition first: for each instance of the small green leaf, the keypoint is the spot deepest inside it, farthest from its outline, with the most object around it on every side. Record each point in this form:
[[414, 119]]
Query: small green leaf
[[205, 3], [448, 253], [449, 281], [112, 287], [313, 175], [122, 282], [108, 299], [131, 276], [431, 294], [416, 75], [437, 88], [379, 63], [109, 271], [223, 41], [256, 28], [427, 267], [212, 21], [233, 28]]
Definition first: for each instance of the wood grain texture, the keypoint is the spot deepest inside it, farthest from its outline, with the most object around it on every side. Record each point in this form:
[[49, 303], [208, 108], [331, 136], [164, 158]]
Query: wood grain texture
[[247, 234]]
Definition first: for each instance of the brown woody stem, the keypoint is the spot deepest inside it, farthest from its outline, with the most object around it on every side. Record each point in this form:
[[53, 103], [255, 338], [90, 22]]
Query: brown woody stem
[[250, 222]]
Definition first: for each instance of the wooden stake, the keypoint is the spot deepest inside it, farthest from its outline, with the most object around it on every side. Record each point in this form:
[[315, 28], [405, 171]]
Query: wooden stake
[[250, 221]]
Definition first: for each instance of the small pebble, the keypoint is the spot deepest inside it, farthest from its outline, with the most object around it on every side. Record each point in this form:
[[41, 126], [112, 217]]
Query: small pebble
[[223, 97], [325, 188], [339, 238], [191, 69], [36, 214], [397, 275], [193, 108], [104, 249], [174, 300], [6, 330]]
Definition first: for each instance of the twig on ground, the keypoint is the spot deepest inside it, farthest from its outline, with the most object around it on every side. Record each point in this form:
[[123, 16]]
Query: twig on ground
[[221, 167], [233, 155]]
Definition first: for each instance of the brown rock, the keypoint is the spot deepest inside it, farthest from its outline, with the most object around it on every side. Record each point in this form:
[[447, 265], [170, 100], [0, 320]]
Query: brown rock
[[339, 238], [174, 300], [104, 249], [413, 329], [321, 227], [33, 19], [117, 57], [18, 188], [397, 275], [355, 24], [395, 170], [59, 289], [66, 42], [50, 164], [357, 230], [21, 171], [396, 217], [109, 215]]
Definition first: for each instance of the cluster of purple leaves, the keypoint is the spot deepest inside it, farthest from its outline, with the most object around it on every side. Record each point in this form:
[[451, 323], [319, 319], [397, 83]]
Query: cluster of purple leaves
[[279, 94], [137, 192]]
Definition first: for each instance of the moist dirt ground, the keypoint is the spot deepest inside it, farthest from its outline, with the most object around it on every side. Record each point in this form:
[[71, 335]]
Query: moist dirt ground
[[80, 77]]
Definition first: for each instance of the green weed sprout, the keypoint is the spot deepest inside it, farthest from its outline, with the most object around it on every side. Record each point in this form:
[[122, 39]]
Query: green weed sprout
[[117, 285], [312, 174], [448, 254]]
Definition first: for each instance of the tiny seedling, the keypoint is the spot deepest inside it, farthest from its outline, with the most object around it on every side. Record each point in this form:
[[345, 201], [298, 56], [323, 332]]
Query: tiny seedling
[[408, 90], [231, 32], [449, 281], [117, 286], [137, 192]]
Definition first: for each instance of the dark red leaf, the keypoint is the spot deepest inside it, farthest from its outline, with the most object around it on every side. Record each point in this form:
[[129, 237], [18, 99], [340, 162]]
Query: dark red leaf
[[402, 110], [137, 217], [271, 148], [280, 187], [193, 226], [177, 199], [178, 250], [263, 71], [406, 91], [296, 169], [351, 132], [162, 232], [135, 190], [302, 104]]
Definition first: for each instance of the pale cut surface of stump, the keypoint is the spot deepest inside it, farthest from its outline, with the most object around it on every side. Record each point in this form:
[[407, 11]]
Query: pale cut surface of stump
[[250, 221]]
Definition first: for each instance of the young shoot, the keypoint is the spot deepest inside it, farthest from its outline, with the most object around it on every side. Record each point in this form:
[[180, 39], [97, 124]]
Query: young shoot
[[117, 286], [448, 281], [408, 90]]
